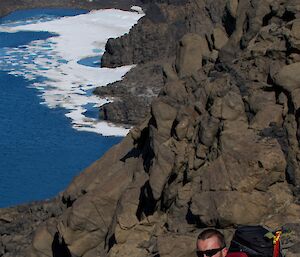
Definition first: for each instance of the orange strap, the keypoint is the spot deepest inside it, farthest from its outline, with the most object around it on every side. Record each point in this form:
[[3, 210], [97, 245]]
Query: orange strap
[[276, 242]]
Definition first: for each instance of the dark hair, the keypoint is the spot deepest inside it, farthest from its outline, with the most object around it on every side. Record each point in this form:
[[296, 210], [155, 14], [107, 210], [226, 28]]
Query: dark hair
[[210, 232]]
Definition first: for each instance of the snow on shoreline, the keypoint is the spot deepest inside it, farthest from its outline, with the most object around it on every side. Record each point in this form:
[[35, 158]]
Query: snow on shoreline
[[68, 84]]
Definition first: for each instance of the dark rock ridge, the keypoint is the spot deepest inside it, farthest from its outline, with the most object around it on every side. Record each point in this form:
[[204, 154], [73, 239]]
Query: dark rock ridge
[[152, 41], [132, 95], [17, 224], [219, 148]]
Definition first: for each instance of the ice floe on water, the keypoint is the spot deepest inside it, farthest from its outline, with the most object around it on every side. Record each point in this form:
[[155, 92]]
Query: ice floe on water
[[57, 61]]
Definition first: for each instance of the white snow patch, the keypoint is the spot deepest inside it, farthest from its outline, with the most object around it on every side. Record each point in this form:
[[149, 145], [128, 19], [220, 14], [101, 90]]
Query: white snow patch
[[137, 9], [68, 84]]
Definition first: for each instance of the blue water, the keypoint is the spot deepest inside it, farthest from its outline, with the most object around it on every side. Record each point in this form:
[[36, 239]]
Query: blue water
[[93, 61], [40, 152], [40, 14], [22, 38]]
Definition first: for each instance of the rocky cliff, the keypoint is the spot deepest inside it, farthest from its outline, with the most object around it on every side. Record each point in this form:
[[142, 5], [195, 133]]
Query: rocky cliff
[[220, 146], [151, 44]]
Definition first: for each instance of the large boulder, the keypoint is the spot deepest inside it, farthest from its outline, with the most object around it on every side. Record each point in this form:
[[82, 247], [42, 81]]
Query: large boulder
[[289, 77], [189, 58]]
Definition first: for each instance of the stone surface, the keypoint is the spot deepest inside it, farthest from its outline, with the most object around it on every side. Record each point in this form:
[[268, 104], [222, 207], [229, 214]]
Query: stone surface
[[132, 95], [232, 6], [220, 37], [189, 59], [18, 223], [289, 77]]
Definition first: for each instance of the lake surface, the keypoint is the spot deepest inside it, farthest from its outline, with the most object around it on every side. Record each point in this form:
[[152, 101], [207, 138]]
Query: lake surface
[[48, 115]]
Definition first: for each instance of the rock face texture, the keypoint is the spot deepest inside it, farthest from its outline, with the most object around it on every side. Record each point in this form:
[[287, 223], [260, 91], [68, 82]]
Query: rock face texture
[[17, 225], [132, 95], [219, 148], [153, 42]]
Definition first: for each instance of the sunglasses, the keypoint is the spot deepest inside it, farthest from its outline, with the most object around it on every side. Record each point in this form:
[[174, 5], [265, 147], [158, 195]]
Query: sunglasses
[[209, 253]]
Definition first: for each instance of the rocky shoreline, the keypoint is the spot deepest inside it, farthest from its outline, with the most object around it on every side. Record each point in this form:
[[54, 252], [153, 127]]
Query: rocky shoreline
[[18, 223], [132, 95], [219, 146]]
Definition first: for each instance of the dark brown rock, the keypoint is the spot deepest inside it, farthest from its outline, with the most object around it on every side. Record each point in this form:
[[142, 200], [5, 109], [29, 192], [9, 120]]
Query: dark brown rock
[[132, 95], [19, 223], [189, 58]]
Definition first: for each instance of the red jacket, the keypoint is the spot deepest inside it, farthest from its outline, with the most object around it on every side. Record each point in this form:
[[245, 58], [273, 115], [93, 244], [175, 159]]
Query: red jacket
[[237, 254]]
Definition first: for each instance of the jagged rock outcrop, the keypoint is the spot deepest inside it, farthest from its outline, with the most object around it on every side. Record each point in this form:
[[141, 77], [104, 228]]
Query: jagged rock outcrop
[[219, 148], [152, 43], [132, 95], [18, 224]]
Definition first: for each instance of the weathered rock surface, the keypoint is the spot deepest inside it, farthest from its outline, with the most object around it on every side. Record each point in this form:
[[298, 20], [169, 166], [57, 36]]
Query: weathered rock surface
[[17, 225], [132, 96], [154, 41], [219, 148]]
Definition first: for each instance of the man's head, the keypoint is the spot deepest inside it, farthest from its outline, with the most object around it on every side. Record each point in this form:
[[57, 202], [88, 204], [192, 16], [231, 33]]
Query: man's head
[[211, 243]]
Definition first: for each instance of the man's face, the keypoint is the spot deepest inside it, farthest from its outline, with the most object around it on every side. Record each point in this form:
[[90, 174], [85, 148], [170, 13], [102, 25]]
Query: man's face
[[209, 244]]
